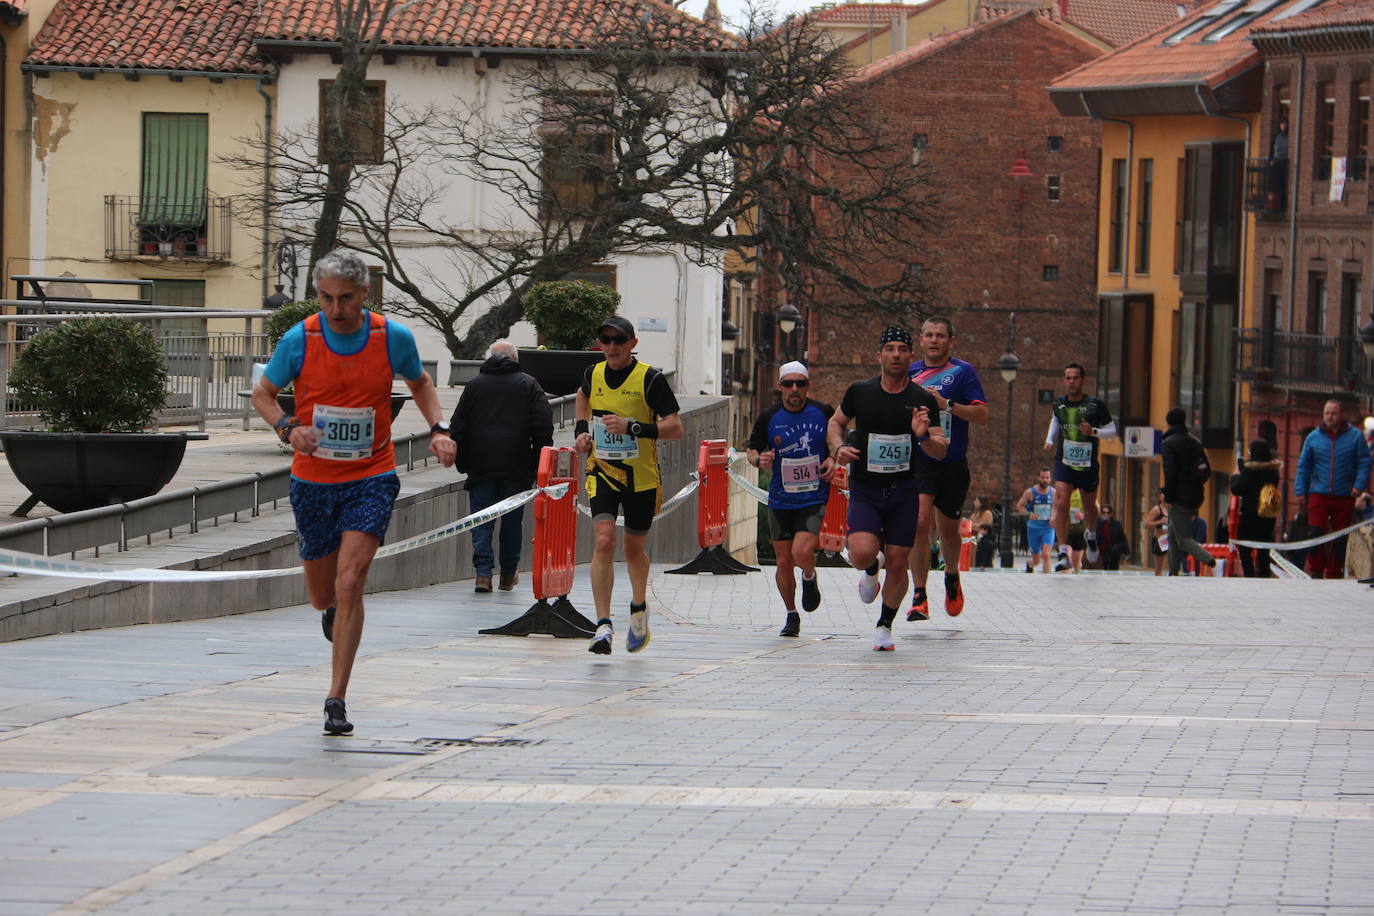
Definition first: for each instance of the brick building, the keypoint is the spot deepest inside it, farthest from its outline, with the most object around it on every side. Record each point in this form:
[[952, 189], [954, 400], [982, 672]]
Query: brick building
[[974, 100], [1313, 232]]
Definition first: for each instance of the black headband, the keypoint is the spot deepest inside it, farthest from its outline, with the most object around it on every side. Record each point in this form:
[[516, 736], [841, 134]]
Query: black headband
[[895, 332]]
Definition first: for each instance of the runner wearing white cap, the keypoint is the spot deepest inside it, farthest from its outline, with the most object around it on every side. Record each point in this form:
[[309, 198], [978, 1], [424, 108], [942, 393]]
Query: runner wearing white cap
[[788, 440]]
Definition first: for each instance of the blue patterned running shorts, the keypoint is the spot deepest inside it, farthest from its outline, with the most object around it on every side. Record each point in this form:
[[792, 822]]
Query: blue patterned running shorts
[[324, 511]]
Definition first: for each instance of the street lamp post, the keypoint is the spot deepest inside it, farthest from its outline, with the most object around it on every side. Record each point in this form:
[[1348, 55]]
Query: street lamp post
[[789, 316], [1008, 364]]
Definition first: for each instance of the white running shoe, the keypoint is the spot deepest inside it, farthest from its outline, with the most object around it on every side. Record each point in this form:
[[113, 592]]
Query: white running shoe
[[868, 588], [1063, 562], [882, 639], [638, 637], [1090, 552], [601, 642]]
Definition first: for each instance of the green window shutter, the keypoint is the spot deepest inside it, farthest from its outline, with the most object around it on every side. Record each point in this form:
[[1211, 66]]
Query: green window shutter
[[175, 154]]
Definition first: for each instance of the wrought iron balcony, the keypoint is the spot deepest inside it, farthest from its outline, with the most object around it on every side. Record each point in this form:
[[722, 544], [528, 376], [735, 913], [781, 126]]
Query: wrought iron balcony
[[195, 229], [1304, 362], [1266, 187]]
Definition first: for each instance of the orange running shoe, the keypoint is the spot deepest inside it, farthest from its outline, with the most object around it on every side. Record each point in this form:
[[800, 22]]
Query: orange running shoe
[[954, 596]]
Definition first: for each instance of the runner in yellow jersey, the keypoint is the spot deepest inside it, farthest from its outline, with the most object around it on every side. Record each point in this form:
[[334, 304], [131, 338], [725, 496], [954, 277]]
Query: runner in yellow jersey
[[623, 408]]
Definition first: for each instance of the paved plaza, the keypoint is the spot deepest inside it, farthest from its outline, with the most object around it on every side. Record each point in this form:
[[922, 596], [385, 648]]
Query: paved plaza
[[1093, 743]]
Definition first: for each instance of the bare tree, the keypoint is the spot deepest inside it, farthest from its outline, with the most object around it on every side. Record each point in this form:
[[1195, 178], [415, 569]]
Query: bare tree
[[759, 145], [347, 125]]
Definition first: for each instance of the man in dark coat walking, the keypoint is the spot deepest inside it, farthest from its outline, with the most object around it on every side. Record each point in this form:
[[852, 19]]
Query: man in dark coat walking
[[502, 422], [1186, 470]]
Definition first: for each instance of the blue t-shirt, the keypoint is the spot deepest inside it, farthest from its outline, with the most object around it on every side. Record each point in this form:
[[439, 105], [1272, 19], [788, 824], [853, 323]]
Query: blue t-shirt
[[798, 444], [957, 382], [289, 355]]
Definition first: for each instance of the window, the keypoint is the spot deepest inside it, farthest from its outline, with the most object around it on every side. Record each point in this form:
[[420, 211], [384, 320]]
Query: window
[[915, 271], [1049, 272], [918, 146], [1115, 249], [1212, 209], [1325, 135], [575, 169], [1052, 187], [364, 130], [172, 195], [1125, 334], [1316, 303], [1359, 131], [182, 354], [1054, 144], [1273, 298], [1205, 346], [1144, 209], [1180, 195]]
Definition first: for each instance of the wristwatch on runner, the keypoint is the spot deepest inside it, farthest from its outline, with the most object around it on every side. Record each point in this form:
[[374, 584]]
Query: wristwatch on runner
[[440, 427]]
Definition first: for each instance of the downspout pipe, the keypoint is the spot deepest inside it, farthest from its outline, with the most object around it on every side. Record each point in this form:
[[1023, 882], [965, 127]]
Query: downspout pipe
[[1241, 282], [266, 187], [1126, 203]]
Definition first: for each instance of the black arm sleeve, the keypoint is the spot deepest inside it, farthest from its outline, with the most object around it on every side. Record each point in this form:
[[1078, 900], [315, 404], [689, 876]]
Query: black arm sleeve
[[658, 394]]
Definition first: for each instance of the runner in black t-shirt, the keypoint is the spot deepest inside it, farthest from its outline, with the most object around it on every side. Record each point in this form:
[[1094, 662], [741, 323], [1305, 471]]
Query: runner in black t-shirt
[[893, 418], [1077, 422]]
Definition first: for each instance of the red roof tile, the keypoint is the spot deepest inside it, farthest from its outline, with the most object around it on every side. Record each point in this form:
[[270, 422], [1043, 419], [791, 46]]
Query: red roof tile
[[864, 13], [220, 35], [1120, 21], [1333, 13], [526, 24], [190, 35], [1199, 58], [938, 43]]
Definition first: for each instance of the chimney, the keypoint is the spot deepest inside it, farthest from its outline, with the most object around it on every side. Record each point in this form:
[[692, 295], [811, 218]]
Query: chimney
[[712, 15]]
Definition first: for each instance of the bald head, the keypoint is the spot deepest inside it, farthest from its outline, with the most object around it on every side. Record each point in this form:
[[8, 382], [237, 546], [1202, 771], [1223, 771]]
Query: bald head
[[504, 348]]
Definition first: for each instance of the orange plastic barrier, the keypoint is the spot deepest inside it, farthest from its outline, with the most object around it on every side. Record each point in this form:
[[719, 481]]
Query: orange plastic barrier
[[713, 493], [836, 524], [1222, 552], [965, 544], [555, 524]]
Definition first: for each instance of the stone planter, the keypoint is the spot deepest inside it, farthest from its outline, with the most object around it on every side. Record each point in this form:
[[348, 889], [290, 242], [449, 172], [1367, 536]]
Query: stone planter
[[74, 471], [558, 372]]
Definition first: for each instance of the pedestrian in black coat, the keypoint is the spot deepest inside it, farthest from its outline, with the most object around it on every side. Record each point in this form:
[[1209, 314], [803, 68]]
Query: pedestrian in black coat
[[1259, 469]]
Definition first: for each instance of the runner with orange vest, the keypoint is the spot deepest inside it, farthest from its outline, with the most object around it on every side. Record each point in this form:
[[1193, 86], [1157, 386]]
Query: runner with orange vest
[[341, 361]]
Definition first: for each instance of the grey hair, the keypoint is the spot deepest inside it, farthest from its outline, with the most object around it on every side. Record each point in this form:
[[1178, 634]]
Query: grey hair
[[503, 348], [342, 264]]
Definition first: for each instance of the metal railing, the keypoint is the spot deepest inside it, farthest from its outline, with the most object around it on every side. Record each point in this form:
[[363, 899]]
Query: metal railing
[[118, 525], [206, 369], [1266, 187], [195, 229], [1303, 361]]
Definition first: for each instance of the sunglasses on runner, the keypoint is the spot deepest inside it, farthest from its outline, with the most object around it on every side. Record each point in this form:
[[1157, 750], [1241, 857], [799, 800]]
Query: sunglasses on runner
[[794, 383], [608, 339]]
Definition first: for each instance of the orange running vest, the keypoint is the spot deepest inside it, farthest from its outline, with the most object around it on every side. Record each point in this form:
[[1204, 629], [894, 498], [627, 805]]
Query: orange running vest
[[361, 379]]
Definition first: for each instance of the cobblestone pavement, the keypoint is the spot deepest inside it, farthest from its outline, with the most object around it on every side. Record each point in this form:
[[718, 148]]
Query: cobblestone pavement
[[1094, 743]]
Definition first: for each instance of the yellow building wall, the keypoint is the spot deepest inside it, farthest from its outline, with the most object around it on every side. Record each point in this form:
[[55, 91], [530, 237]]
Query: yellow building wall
[[87, 143], [935, 18], [1164, 140], [16, 139]]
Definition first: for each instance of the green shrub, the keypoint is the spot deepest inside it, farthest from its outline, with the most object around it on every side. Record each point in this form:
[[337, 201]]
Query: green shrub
[[568, 312], [93, 375], [286, 317]]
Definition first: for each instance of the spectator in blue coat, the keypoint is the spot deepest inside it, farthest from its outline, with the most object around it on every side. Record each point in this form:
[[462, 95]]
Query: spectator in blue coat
[[1333, 470]]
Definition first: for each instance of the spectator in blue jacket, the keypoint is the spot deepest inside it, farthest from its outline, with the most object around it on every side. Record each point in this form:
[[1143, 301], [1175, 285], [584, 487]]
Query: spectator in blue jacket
[[1333, 469]]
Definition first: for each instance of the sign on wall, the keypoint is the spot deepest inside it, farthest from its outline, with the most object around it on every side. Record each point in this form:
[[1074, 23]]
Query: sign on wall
[[1141, 441]]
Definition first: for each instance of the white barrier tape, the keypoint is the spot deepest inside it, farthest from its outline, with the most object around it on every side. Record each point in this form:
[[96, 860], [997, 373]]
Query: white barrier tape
[[1282, 563], [673, 502], [1310, 542], [752, 489], [15, 561]]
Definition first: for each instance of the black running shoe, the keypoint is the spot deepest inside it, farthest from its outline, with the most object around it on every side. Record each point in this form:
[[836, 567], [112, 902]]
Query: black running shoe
[[336, 718], [920, 606], [327, 623], [793, 625], [811, 594]]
